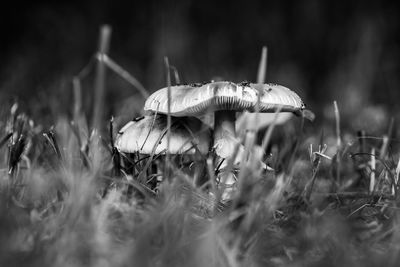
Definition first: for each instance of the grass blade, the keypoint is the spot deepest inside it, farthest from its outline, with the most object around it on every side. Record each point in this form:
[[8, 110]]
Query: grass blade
[[262, 67], [168, 78], [100, 80], [176, 75], [338, 142], [5, 139], [77, 92], [111, 64], [373, 169]]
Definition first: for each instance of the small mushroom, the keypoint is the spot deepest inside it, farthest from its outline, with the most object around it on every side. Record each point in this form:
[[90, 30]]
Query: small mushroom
[[224, 99], [148, 135]]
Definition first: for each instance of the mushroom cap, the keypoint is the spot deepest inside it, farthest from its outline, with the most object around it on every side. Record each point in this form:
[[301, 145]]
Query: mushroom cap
[[188, 100], [149, 134]]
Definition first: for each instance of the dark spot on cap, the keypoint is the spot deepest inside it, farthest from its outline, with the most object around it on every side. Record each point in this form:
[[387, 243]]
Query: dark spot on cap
[[245, 83], [200, 84], [138, 118]]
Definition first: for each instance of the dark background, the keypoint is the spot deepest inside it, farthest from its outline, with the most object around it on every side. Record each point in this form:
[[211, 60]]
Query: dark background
[[325, 50]]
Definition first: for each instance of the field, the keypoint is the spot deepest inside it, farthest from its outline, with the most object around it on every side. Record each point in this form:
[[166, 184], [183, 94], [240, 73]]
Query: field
[[324, 191], [69, 198]]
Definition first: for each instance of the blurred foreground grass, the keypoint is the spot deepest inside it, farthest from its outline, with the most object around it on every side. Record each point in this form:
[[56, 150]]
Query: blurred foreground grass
[[66, 201]]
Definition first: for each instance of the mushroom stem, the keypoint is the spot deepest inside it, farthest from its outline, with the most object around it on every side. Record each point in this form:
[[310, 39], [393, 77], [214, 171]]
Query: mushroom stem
[[224, 123], [224, 133]]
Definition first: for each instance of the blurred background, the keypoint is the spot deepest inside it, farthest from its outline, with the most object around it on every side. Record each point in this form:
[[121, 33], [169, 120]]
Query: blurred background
[[325, 50]]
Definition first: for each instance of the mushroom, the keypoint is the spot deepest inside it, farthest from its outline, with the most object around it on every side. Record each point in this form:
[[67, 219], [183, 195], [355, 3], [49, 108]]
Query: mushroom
[[148, 135], [224, 99]]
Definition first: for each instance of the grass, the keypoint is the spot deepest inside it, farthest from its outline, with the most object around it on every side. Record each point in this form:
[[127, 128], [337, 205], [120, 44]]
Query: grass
[[66, 202], [69, 198]]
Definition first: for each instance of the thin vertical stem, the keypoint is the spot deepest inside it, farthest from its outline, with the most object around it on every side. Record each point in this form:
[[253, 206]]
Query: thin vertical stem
[[337, 119], [396, 180], [262, 73], [117, 69], [338, 141], [386, 141], [262, 67], [251, 135], [168, 78], [100, 80], [176, 75], [77, 92], [373, 168]]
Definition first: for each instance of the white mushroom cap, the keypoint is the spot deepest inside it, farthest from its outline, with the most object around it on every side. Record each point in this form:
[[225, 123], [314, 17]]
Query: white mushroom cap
[[194, 100], [149, 133], [276, 97], [224, 99]]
